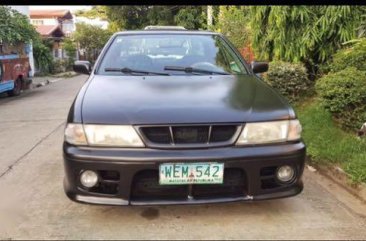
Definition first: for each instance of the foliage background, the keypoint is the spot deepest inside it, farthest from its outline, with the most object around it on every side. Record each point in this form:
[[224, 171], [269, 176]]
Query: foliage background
[[291, 80], [15, 27], [90, 38]]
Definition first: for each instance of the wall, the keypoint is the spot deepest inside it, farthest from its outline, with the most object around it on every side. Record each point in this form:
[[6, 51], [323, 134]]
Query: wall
[[46, 21], [96, 21]]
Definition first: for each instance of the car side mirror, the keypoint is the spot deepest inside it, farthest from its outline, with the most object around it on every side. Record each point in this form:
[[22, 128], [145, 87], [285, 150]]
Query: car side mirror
[[82, 67], [259, 67]]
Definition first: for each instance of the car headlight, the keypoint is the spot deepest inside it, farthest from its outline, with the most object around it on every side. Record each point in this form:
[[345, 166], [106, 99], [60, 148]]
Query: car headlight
[[103, 135], [74, 134], [270, 132]]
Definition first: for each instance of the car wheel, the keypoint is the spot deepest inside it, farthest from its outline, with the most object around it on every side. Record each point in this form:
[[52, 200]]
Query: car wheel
[[17, 88]]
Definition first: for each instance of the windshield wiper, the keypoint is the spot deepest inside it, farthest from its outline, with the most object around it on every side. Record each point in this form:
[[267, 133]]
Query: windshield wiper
[[133, 71], [194, 70]]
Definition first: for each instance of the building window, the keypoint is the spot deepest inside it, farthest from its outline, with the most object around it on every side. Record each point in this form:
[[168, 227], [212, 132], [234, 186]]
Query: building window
[[55, 53], [67, 27], [37, 22]]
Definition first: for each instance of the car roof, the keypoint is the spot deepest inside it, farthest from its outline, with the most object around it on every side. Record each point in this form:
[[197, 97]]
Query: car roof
[[154, 31], [157, 27]]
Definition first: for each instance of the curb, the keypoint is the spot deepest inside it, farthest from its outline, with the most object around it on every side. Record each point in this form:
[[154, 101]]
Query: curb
[[40, 84], [52, 80], [341, 178]]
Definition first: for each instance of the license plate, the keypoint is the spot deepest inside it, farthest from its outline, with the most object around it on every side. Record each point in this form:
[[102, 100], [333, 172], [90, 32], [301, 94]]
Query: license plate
[[191, 173]]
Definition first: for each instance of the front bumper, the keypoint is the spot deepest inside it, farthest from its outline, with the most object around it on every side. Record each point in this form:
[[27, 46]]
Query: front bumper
[[253, 161]]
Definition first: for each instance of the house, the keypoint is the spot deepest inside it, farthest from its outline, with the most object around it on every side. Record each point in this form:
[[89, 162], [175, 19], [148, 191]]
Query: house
[[55, 35], [62, 18], [54, 25], [93, 21]]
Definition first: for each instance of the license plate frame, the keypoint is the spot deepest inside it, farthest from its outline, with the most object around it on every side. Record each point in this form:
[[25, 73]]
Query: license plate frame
[[176, 173]]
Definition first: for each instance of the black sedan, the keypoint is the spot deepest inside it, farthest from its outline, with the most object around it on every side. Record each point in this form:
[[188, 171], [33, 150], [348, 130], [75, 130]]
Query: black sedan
[[178, 117]]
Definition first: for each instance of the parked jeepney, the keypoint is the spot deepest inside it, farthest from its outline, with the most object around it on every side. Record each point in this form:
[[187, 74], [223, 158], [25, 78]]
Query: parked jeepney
[[14, 68]]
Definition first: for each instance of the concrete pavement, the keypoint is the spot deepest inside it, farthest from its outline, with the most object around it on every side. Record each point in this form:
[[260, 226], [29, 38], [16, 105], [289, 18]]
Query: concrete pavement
[[33, 204], [45, 80]]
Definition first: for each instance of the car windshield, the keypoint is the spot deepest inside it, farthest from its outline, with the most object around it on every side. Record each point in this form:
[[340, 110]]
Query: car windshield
[[170, 54]]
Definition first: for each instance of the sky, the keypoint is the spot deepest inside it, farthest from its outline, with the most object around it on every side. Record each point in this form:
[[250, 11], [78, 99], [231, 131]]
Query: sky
[[72, 8]]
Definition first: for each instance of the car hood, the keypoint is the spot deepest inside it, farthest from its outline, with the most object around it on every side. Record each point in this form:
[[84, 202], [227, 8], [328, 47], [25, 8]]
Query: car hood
[[180, 99]]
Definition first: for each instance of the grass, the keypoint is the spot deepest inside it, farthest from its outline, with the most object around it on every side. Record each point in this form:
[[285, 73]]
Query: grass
[[328, 144]]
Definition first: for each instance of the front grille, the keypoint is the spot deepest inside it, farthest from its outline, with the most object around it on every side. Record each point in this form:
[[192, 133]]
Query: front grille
[[193, 135], [146, 187], [159, 135], [190, 134], [222, 133]]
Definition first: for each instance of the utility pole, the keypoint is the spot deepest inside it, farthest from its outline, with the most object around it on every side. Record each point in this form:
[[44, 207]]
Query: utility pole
[[209, 16]]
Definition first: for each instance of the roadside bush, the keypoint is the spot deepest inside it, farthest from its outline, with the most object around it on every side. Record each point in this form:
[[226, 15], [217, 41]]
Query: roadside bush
[[70, 48], [344, 94], [42, 57], [354, 56], [291, 80], [59, 66]]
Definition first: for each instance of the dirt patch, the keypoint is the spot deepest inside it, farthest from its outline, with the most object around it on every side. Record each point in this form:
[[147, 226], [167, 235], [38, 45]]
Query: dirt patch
[[150, 213]]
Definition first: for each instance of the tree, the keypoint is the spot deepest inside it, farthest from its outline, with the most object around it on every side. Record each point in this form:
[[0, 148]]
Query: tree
[[310, 34], [362, 28], [15, 27], [192, 17], [95, 12], [233, 22], [138, 17], [160, 15], [209, 16], [215, 13], [128, 17], [42, 56], [70, 48], [90, 38]]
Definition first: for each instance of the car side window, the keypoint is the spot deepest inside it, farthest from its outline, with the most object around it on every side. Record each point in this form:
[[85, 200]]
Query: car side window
[[230, 62]]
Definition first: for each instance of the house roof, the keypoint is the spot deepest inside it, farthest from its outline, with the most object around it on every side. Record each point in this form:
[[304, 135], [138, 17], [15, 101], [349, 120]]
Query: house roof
[[50, 31], [63, 13]]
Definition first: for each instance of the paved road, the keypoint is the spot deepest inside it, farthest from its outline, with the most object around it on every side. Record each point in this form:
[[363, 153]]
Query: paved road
[[33, 205]]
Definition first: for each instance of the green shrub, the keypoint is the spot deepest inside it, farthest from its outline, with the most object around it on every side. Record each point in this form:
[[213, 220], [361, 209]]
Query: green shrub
[[42, 57], [70, 48], [354, 56], [59, 66], [291, 80], [344, 94]]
